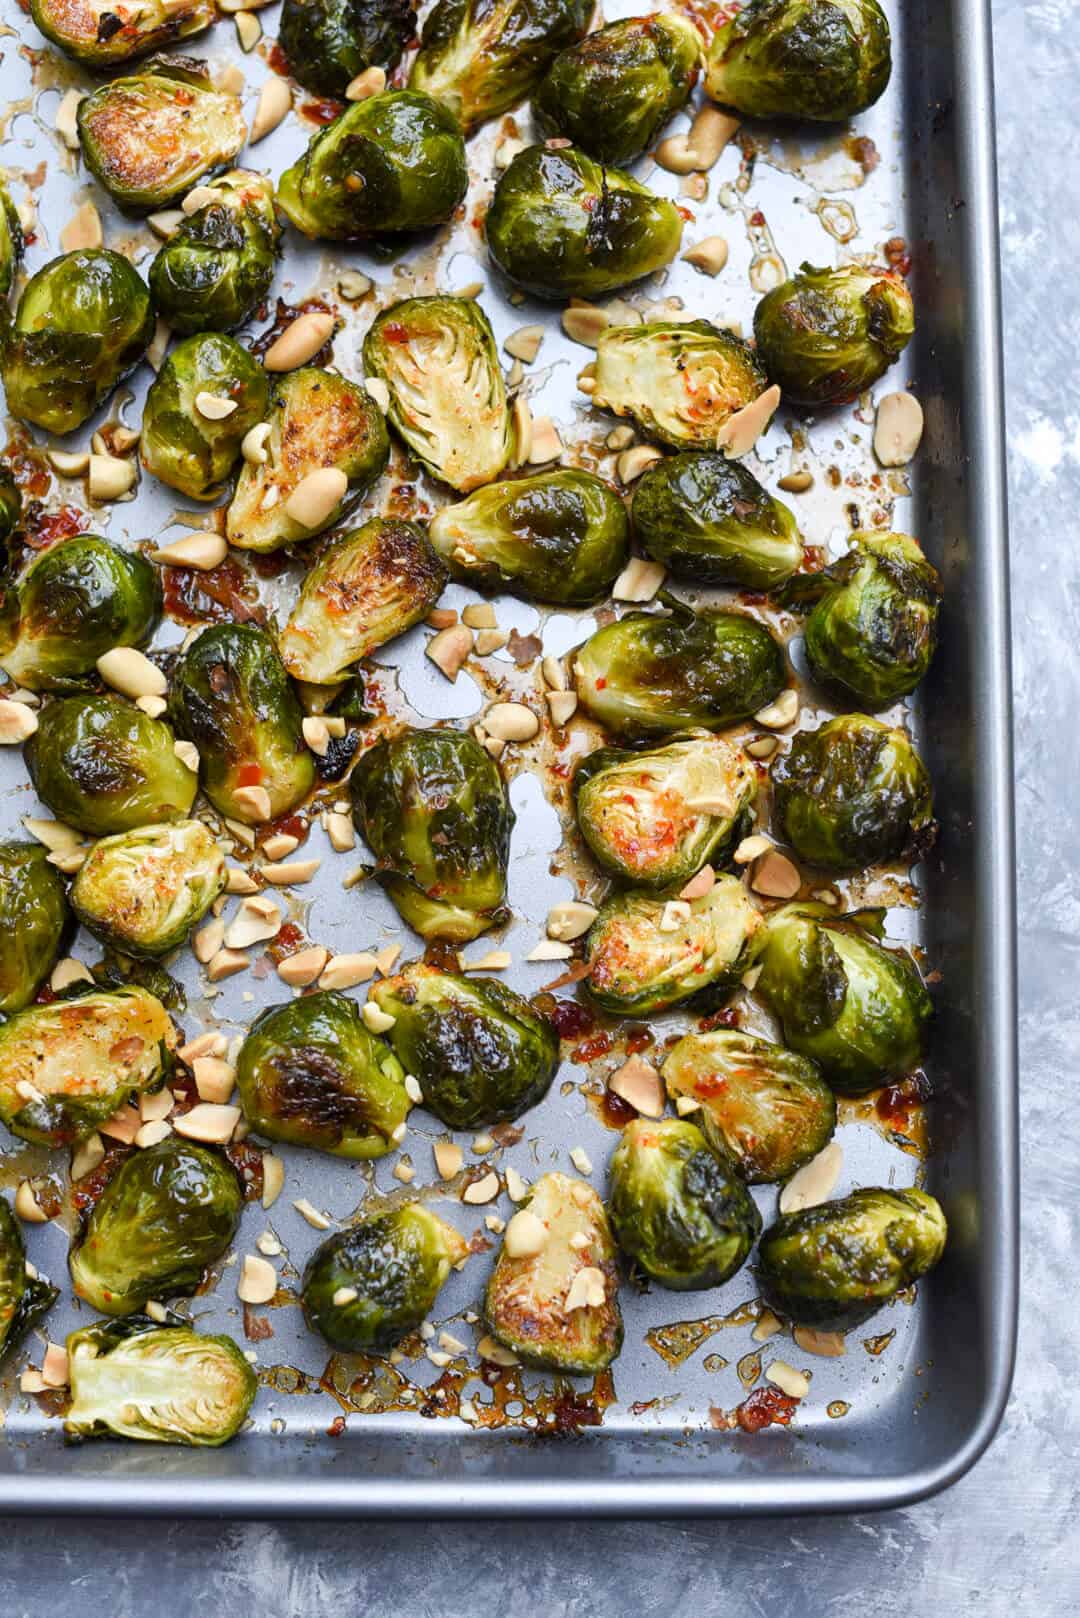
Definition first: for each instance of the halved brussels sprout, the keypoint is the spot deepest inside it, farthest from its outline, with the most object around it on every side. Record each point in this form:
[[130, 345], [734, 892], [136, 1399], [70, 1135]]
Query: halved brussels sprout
[[83, 322], [392, 163], [328, 42], [873, 629], [679, 381], [76, 601], [165, 1384], [649, 674], [106, 36], [852, 793], [526, 1301], [219, 262], [648, 951], [765, 1109], [479, 58], [168, 1212], [654, 818], [827, 335], [822, 60], [232, 697], [67, 1067], [33, 920], [11, 238], [317, 419], [189, 449], [366, 588], [104, 766], [432, 807], [833, 1266], [438, 358], [143, 891], [677, 1211], [561, 537], [367, 1287], [479, 1052], [841, 997], [24, 1299], [310, 1074], [563, 226], [707, 518]]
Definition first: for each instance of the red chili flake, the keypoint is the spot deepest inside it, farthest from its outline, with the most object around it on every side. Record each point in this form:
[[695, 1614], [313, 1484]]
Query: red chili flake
[[249, 775], [638, 1039], [590, 1049], [727, 1018], [394, 332], [290, 825], [765, 1407], [757, 218], [277, 61]]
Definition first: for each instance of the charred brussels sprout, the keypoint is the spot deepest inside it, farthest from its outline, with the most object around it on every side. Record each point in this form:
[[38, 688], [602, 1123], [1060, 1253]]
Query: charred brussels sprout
[[841, 998], [143, 891], [563, 226], [833, 1266], [328, 42], [317, 419], [369, 1286], [560, 537], [649, 674], [649, 951], [232, 697], [102, 38], [168, 1212], [104, 766], [366, 588], [24, 1299], [822, 60], [680, 381], [653, 818], [762, 1107], [827, 335], [677, 1211], [480, 1053], [164, 1384], [83, 322], [76, 601], [558, 1308], [432, 807], [393, 163], [310, 1074], [438, 359], [11, 238], [614, 91], [187, 441], [33, 919], [479, 58], [219, 262], [708, 518], [67, 1067], [852, 793]]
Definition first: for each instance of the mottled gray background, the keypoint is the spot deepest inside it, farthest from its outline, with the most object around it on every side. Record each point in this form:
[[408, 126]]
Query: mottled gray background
[[1002, 1543]]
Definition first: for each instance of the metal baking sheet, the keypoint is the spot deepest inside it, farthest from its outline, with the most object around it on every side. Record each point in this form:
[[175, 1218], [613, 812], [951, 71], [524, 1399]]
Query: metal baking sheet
[[346, 1439]]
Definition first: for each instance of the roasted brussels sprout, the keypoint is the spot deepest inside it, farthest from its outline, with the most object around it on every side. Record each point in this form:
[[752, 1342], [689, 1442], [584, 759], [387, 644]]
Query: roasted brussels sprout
[[232, 697], [367, 1287], [563, 226], [438, 359], [827, 335], [366, 588], [317, 419], [654, 818], [33, 920], [649, 951], [186, 440], [432, 807], [873, 629], [149, 138], [833, 1266], [143, 891], [707, 518], [393, 163], [168, 1212], [649, 674], [102, 38], [764, 1109], [479, 58], [479, 1052], [10, 518], [11, 238], [165, 1384], [680, 381], [24, 1298], [560, 537], [219, 262], [558, 1309], [857, 1008], [66, 1067], [104, 766], [76, 601], [83, 322], [613, 92], [821, 60], [328, 42]]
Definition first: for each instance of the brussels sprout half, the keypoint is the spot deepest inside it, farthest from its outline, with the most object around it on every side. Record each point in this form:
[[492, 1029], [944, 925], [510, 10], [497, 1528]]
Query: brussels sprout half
[[187, 449], [820, 60], [328, 42], [680, 381], [827, 335], [103, 37], [24, 1299], [33, 921], [219, 262], [104, 766], [559, 537], [563, 226], [11, 238], [479, 58], [707, 518], [143, 891]]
